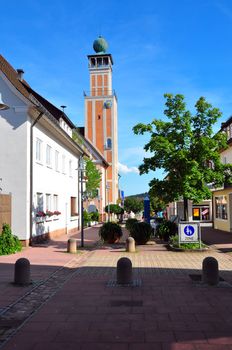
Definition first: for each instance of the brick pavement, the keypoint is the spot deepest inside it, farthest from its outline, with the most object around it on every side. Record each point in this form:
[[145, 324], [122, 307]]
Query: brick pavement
[[168, 311]]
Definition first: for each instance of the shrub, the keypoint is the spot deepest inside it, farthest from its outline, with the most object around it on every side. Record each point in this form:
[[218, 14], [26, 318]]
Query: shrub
[[141, 232], [86, 218], [94, 216], [130, 222], [9, 243], [174, 241], [110, 232], [167, 229]]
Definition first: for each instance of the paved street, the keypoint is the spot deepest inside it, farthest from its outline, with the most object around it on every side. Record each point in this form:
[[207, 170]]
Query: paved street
[[81, 307]]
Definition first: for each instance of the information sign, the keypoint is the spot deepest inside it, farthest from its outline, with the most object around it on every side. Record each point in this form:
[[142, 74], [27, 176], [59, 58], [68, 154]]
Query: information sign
[[189, 232]]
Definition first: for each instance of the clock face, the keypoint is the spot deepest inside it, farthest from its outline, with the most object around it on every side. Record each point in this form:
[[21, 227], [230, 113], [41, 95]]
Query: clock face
[[108, 104]]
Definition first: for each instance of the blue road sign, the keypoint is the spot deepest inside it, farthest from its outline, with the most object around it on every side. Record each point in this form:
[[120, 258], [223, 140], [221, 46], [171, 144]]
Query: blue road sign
[[189, 230]]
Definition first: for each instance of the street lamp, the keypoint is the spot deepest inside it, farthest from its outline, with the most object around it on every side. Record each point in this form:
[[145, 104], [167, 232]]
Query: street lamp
[[108, 188], [81, 170]]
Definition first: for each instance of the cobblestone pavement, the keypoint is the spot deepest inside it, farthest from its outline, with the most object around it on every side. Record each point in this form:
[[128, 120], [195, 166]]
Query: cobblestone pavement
[[168, 310]]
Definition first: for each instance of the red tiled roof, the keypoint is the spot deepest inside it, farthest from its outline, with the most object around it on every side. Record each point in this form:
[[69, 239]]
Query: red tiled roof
[[12, 76]]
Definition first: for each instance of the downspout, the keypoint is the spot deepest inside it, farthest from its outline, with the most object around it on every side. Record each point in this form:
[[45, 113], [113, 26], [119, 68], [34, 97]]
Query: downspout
[[31, 174]]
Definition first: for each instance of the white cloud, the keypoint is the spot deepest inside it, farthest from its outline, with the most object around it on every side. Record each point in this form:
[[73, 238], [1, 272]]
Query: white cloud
[[122, 168]]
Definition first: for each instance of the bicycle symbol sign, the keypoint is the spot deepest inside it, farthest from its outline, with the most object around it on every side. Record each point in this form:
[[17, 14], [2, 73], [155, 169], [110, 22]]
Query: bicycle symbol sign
[[189, 230]]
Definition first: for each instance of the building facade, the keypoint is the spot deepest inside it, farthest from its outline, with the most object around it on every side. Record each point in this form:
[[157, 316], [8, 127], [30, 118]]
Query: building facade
[[222, 198], [38, 161], [101, 115]]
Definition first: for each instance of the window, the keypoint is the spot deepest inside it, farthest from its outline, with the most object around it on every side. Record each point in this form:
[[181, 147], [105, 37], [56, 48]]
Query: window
[[39, 201], [200, 213], [55, 202], [63, 164], [73, 206], [105, 61], [38, 155], [48, 202], [221, 207], [57, 161], [48, 155], [108, 144], [224, 160]]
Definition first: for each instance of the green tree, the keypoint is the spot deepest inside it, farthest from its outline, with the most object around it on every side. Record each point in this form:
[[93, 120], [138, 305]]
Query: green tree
[[114, 209], [156, 203], [93, 176], [133, 204], [185, 148]]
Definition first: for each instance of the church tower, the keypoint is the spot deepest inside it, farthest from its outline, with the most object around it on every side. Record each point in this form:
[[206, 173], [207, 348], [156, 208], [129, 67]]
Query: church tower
[[101, 115]]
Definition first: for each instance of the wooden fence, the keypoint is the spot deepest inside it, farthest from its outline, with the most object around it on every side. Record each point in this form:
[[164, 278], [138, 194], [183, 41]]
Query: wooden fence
[[5, 210]]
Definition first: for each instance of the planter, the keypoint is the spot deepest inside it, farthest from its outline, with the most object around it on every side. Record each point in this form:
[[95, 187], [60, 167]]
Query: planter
[[176, 249]]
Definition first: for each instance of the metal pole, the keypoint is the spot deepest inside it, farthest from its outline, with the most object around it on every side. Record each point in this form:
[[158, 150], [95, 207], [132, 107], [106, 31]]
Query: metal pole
[[82, 216], [108, 207]]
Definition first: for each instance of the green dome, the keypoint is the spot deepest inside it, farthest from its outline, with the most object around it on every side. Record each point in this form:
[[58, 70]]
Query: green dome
[[100, 45]]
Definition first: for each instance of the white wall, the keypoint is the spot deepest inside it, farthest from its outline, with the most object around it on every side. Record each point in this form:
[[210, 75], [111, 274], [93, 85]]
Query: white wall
[[49, 180], [14, 158], [15, 128]]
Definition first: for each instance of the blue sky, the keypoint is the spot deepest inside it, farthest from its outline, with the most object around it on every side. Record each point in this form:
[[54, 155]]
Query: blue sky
[[181, 46]]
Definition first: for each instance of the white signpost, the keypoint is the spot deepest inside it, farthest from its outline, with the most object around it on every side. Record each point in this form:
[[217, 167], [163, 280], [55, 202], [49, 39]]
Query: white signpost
[[189, 232]]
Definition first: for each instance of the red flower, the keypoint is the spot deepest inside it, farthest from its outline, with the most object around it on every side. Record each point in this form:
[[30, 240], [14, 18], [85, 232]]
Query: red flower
[[40, 213]]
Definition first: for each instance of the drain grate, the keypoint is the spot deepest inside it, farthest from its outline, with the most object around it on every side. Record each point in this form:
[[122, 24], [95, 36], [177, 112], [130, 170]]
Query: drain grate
[[128, 303]]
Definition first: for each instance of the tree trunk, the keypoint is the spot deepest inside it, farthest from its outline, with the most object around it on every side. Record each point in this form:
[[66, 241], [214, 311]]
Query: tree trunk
[[186, 209]]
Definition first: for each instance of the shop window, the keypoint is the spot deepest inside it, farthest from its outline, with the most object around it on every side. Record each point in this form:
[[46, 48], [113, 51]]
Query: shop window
[[221, 207], [200, 213]]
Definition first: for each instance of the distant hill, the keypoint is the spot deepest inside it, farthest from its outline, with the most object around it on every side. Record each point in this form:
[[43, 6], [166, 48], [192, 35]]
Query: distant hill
[[140, 195]]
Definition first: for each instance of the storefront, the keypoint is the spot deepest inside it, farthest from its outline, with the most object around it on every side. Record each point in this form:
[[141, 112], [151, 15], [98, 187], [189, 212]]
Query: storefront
[[222, 207], [201, 212]]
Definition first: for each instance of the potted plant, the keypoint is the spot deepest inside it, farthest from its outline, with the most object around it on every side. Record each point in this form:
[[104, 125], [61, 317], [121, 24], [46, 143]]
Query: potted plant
[[110, 232]]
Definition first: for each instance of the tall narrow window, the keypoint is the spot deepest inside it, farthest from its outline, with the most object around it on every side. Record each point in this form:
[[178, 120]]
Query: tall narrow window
[[221, 207], [55, 202], [38, 155], [39, 202], [108, 144], [63, 164], [57, 161], [48, 202], [49, 155]]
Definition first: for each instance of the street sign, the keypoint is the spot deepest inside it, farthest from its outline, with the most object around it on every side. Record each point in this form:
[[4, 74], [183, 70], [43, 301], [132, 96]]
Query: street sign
[[189, 232]]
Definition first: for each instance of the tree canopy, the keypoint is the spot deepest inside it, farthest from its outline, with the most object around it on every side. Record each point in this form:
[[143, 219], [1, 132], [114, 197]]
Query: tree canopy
[[185, 148], [114, 209], [133, 204], [93, 176]]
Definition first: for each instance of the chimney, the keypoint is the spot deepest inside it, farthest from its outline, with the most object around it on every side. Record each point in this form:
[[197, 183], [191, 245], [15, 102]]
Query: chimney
[[20, 74]]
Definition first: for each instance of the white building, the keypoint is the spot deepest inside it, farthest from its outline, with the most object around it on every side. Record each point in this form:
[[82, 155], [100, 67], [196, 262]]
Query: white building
[[38, 161]]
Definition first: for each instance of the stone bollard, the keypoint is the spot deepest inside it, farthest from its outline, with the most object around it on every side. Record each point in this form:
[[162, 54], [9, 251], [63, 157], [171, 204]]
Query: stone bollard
[[124, 271], [130, 245], [210, 273], [22, 274], [72, 245]]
